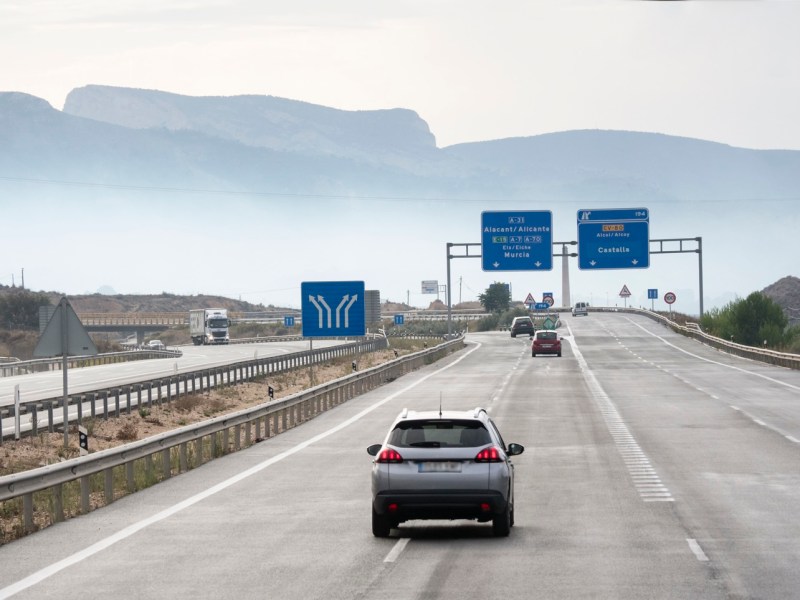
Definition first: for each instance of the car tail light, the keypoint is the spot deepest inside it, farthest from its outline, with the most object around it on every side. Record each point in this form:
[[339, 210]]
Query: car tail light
[[491, 454], [388, 455]]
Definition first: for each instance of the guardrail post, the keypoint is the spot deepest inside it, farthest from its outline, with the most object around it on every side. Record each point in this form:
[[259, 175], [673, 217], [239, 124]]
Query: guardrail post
[[58, 503], [85, 505], [184, 457], [165, 463], [129, 478], [80, 410], [109, 486], [27, 513], [34, 420], [105, 405], [116, 402], [198, 451]]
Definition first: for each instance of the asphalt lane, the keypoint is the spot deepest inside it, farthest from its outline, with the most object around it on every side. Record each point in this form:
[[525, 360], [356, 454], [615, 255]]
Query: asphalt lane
[[639, 480]]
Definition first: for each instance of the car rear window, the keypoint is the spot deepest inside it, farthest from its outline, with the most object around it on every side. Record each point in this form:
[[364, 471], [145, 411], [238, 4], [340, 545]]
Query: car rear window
[[547, 335], [439, 433]]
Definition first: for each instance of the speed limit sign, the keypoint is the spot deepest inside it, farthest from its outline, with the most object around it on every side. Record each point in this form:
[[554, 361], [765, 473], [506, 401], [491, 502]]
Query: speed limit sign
[[670, 297]]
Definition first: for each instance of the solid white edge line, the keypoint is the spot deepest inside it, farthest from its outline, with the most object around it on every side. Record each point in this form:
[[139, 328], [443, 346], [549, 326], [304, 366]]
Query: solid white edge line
[[109, 541]]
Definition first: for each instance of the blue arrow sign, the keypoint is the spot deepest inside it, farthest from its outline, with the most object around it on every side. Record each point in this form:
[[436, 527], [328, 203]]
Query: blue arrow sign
[[652, 294], [614, 238], [399, 319], [541, 306], [333, 308], [519, 240], [288, 321]]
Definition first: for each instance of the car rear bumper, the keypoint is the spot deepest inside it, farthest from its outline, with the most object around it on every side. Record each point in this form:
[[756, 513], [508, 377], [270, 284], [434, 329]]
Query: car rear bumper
[[440, 504]]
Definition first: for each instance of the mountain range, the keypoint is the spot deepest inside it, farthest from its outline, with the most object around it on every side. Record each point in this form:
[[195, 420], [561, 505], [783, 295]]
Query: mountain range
[[263, 144]]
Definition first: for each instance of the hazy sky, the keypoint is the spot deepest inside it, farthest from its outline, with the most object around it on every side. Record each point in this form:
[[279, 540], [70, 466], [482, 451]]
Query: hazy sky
[[725, 71]]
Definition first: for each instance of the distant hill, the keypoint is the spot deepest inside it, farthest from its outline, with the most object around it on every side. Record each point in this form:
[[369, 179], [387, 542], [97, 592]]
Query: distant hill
[[155, 303], [786, 294]]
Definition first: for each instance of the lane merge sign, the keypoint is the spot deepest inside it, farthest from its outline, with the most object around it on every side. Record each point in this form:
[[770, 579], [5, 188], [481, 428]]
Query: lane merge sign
[[519, 240], [614, 238], [333, 308]]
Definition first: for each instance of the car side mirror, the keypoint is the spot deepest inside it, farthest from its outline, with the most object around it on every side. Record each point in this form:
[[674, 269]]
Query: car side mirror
[[515, 449], [374, 449]]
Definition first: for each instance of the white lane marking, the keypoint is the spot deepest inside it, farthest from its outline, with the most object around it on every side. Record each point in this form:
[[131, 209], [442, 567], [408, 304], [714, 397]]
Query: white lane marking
[[714, 362], [128, 531], [397, 550], [632, 455], [697, 550], [765, 425]]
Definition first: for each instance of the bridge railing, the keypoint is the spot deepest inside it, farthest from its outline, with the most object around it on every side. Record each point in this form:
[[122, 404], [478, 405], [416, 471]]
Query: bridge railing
[[174, 452]]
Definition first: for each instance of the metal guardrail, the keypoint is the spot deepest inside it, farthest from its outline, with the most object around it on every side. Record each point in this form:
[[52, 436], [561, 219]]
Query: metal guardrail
[[193, 445], [782, 359], [39, 365], [108, 402]]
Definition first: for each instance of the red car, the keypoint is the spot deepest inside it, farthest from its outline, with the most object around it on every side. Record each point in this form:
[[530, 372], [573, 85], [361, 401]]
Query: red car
[[546, 342]]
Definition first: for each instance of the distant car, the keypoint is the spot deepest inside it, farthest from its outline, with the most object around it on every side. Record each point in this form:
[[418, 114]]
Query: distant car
[[580, 308], [155, 345], [523, 325], [546, 342], [443, 465]]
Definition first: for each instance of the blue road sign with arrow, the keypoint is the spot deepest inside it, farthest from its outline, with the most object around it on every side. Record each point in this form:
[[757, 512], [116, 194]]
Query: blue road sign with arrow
[[519, 240], [333, 308], [614, 238]]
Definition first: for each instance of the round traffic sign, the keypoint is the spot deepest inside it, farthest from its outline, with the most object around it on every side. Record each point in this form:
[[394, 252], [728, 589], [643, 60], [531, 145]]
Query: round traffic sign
[[670, 297], [548, 300]]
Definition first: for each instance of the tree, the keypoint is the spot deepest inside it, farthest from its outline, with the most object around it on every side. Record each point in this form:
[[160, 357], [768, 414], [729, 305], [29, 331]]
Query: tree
[[758, 318], [20, 309], [496, 298], [751, 321]]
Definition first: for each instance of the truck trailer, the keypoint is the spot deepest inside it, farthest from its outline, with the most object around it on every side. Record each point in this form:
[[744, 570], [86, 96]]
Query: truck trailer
[[209, 326]]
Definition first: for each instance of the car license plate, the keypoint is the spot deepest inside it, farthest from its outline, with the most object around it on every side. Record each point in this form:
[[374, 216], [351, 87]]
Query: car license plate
[[440, 467]]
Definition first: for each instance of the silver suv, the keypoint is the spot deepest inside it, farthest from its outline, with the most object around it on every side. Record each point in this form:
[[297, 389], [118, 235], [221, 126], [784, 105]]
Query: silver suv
[[443, 465]]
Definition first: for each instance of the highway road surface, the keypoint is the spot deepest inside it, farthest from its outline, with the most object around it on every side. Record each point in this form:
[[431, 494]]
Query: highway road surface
[[654, 468]]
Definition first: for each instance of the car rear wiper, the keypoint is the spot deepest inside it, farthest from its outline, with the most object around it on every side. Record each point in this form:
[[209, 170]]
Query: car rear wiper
[[426, 445]]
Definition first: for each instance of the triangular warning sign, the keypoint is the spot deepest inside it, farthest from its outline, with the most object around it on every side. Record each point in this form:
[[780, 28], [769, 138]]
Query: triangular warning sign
[[529, 299], [624, 292], [53, 340]]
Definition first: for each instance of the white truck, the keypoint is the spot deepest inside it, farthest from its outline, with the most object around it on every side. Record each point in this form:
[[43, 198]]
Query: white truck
[[209, 326]]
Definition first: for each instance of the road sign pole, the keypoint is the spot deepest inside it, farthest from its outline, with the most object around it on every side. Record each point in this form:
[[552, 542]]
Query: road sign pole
[[64, 348]]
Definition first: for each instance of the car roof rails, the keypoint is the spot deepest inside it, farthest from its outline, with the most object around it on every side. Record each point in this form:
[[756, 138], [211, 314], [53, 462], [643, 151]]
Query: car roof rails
[[478, 411], [404, 414]]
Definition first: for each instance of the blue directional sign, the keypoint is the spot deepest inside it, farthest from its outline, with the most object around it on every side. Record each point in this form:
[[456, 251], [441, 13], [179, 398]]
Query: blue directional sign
[[614, 238], [288, 321], [652, 294], [519, 240], [399, 319], [333, 308], [541, 306]]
